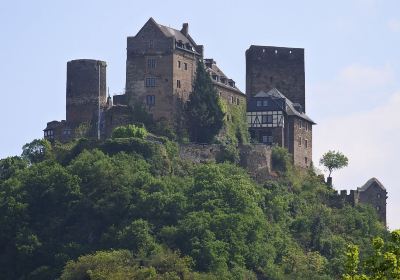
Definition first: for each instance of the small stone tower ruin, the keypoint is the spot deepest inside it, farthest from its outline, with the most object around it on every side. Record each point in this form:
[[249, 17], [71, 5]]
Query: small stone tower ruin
[[86, 95]]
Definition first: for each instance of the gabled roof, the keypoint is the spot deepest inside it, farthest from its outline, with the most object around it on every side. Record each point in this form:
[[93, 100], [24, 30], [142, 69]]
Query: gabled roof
[[290, 108], [370, 183], [172, 33]]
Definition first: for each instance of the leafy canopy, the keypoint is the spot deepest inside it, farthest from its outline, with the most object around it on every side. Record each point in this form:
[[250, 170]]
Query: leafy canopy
[[204, 110], [333, 160], [382, 263]]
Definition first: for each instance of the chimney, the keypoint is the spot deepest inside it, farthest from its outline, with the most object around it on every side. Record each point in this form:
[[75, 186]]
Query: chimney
[[185, 29]]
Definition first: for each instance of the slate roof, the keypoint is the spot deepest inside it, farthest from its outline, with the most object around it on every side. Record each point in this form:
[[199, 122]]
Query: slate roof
[[369, 183], [171, 32], [215, 69], [54, 124], [290, 108]]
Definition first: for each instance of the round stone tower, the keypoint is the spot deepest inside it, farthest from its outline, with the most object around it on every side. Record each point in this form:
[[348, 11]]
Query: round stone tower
[[86, 95]]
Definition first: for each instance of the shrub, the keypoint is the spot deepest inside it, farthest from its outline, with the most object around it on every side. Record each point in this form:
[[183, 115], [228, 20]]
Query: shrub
[[281, 160], [129, 131]]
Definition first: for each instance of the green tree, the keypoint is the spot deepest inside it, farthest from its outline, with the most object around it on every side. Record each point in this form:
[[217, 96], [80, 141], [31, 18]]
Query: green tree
[[123, 265], [37, 151], [205, 114], [333, 160], [383, 263], [9, 166]]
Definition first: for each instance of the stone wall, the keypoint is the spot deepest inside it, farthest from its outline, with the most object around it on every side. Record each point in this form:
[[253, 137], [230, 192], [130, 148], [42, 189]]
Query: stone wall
[[256, 159], [199, 153]]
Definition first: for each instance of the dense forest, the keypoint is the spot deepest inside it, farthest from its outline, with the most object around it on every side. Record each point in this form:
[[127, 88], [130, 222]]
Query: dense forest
[[130, 208]]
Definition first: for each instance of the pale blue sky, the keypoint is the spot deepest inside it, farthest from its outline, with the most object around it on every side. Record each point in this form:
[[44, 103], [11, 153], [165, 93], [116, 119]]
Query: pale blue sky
[[352, 65]]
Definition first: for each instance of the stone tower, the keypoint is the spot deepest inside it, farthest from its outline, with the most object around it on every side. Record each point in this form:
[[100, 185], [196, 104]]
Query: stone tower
[[86, 95], [276, 67], [161, 62]]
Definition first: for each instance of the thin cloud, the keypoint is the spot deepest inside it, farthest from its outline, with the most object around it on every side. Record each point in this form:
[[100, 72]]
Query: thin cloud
[[354, 88], [394, 25], [363, 77]]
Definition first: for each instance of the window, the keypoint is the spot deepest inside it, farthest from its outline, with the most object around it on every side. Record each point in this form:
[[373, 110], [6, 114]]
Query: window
[[306, 143], [67, 132], [151, 44], [265, 103], [220, 93], [151, 63], [378, 208], [267, 139], [306, 126], [267, 119], [378, 195], [237, 101], [179, 64], [150, 82], [185, 66], [231, 99], [259, 103], [306, 160], [299, 141], [150, 100], [49, 133], [300, 124], [178, 83]]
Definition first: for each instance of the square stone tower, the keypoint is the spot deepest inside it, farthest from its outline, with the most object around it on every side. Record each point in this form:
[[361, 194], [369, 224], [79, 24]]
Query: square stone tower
[[276, 67], [160, 66]]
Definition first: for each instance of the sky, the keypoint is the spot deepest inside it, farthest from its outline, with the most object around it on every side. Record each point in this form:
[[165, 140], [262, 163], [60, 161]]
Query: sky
[[352, 64]]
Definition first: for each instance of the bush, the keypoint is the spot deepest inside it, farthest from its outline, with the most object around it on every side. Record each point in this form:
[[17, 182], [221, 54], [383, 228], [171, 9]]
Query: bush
[[281, 160], [228, 152], [129, 131]]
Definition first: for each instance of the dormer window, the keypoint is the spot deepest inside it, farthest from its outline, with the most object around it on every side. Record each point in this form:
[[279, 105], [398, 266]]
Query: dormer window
[[259, 103], [49, 133]]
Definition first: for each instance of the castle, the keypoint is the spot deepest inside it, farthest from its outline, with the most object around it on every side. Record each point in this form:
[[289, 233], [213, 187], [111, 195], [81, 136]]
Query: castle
[[160, 69]]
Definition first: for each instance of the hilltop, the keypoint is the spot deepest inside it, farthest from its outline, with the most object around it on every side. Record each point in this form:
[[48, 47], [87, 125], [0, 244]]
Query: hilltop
[[150, 214]]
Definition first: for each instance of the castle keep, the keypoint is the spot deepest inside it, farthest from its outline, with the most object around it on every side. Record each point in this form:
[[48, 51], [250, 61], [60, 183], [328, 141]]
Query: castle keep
[[160, 70]]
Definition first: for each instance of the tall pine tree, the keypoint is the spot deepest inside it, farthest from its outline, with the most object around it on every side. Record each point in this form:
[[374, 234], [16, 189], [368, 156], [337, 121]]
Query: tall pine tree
[[204, 111]]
